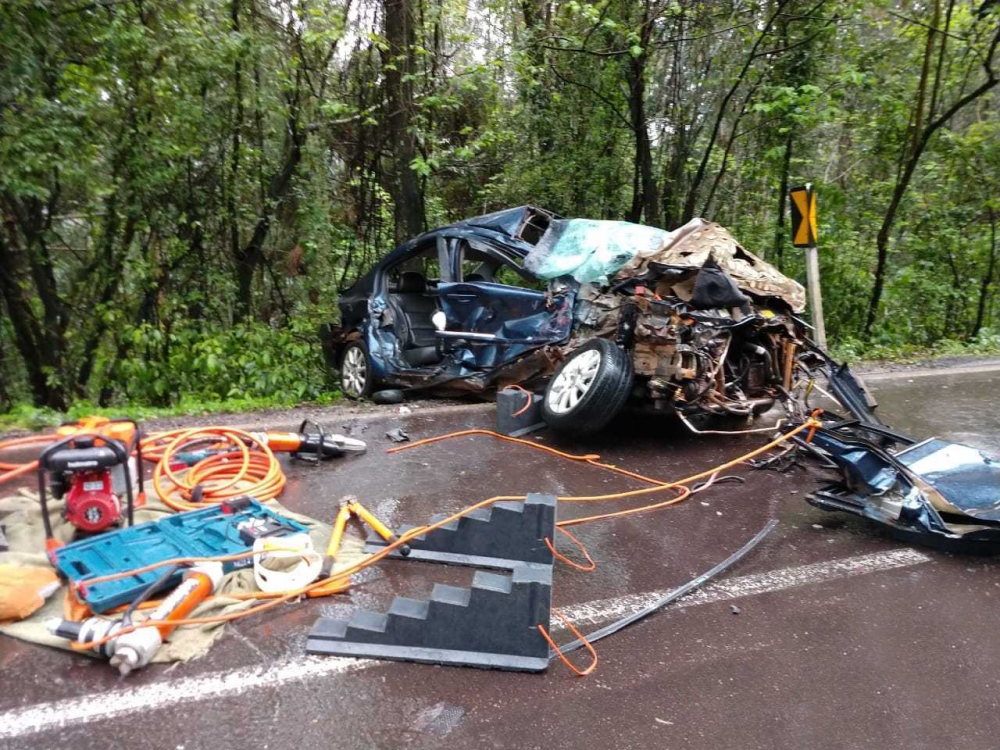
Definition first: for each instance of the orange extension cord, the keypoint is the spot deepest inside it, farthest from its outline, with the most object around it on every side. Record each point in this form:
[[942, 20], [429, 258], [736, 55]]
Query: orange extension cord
[[244, 467], [341, 579]]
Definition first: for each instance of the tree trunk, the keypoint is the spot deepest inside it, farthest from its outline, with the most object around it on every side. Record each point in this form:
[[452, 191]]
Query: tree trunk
[[918, 115], [250, 256], [984, 288], [645, 201], [404, 185], [245, 265], [40, 348], [692, 197], [707, 208], [780, 232]]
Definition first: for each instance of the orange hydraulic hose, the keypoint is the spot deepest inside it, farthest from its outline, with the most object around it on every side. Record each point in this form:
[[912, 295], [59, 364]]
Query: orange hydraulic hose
[[321, 584], [342, 577], [591, 565], [18, 471], [247, 467], [682, 496], [14, 470], [528, 394], [810, 424], [79, 610], [417, 531], [20, 443], [562, 657], [590, 458], [244, 466]]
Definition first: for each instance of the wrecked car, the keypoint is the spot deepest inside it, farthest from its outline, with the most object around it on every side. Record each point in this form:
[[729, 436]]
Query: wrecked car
[[601, 313], [933, 492]]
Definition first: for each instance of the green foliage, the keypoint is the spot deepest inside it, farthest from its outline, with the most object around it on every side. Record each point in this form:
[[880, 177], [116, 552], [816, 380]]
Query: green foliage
[[26, 416], [987, 343], [248, 361]]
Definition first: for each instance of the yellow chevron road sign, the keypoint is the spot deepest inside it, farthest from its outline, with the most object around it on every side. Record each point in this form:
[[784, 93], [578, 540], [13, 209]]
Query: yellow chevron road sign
[[804, 230]]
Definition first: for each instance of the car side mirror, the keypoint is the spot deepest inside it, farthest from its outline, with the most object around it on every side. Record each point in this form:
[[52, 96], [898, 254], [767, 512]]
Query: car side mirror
[[440, 320]]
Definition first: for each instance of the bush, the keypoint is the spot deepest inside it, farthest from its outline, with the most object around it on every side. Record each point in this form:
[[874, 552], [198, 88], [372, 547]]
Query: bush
[[855, 350], [249, 361]]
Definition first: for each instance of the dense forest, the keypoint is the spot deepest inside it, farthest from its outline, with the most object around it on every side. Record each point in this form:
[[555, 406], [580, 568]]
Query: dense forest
[[185, 185]]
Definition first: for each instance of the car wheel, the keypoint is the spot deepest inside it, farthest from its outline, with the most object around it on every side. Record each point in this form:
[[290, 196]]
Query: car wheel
[[589, 388], [356, 379]]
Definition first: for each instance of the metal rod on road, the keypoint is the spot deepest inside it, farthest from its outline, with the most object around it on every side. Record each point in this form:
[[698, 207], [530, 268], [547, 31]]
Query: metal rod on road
[[672, 596]]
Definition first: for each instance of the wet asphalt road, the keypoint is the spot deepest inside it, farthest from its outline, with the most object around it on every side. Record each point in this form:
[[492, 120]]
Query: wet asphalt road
[[826, 635]]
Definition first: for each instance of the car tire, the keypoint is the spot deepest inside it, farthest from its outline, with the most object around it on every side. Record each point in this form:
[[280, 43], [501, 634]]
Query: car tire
[[589, 389], [356, 378]]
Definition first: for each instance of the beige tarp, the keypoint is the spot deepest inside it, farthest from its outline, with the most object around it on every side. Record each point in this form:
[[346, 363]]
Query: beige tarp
[[22, 516]]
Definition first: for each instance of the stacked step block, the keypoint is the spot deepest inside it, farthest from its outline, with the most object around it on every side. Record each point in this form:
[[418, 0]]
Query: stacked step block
[[502, 536], [493, 624]]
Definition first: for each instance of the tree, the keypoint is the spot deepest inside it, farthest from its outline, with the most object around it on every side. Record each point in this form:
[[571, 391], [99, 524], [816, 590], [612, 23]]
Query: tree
[[398, 64], [982, 39]]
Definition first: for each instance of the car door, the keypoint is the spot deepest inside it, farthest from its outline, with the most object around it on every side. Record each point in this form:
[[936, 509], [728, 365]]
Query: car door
[[492, 320], [389, 335]]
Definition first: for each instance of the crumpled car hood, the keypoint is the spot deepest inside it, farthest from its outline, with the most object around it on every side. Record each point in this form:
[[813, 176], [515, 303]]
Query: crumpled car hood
[[967, 479], [692, 244], [937, 493]]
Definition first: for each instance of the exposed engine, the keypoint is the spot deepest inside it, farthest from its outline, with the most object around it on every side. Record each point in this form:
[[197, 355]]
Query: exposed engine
[[726, 361]]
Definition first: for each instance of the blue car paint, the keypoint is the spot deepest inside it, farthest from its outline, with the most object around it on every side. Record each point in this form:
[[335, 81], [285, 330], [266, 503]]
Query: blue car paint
[[889, 490], [522, 319]]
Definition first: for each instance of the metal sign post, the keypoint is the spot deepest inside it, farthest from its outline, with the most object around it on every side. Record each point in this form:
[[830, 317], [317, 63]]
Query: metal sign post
[[805, 234]]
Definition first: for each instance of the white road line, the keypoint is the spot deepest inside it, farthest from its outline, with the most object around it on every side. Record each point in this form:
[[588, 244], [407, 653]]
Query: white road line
[[122, 702], [757, 583], [114, 703]]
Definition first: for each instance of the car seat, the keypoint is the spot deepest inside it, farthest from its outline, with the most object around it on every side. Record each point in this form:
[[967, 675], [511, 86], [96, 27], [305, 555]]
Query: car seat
[[416, 307]]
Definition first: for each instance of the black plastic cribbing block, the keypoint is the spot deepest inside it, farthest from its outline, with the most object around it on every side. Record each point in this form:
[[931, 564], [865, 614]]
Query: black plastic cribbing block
[[502, 536], [491, 625], [511, 402]]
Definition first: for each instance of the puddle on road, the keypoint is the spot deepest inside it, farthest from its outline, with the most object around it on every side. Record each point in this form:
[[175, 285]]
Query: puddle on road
[[958, 407]]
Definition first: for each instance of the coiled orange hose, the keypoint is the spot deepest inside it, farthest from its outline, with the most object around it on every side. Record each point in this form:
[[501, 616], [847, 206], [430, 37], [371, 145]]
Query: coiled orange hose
[[239, 465], [243, 466]]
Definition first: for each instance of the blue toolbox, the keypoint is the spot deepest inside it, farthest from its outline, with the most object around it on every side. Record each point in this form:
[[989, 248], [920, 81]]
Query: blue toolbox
[[224, 529]]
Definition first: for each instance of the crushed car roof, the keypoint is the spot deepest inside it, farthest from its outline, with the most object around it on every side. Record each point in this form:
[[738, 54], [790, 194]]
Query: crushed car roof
[[593, 251], [515, 223], [694, 243]]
